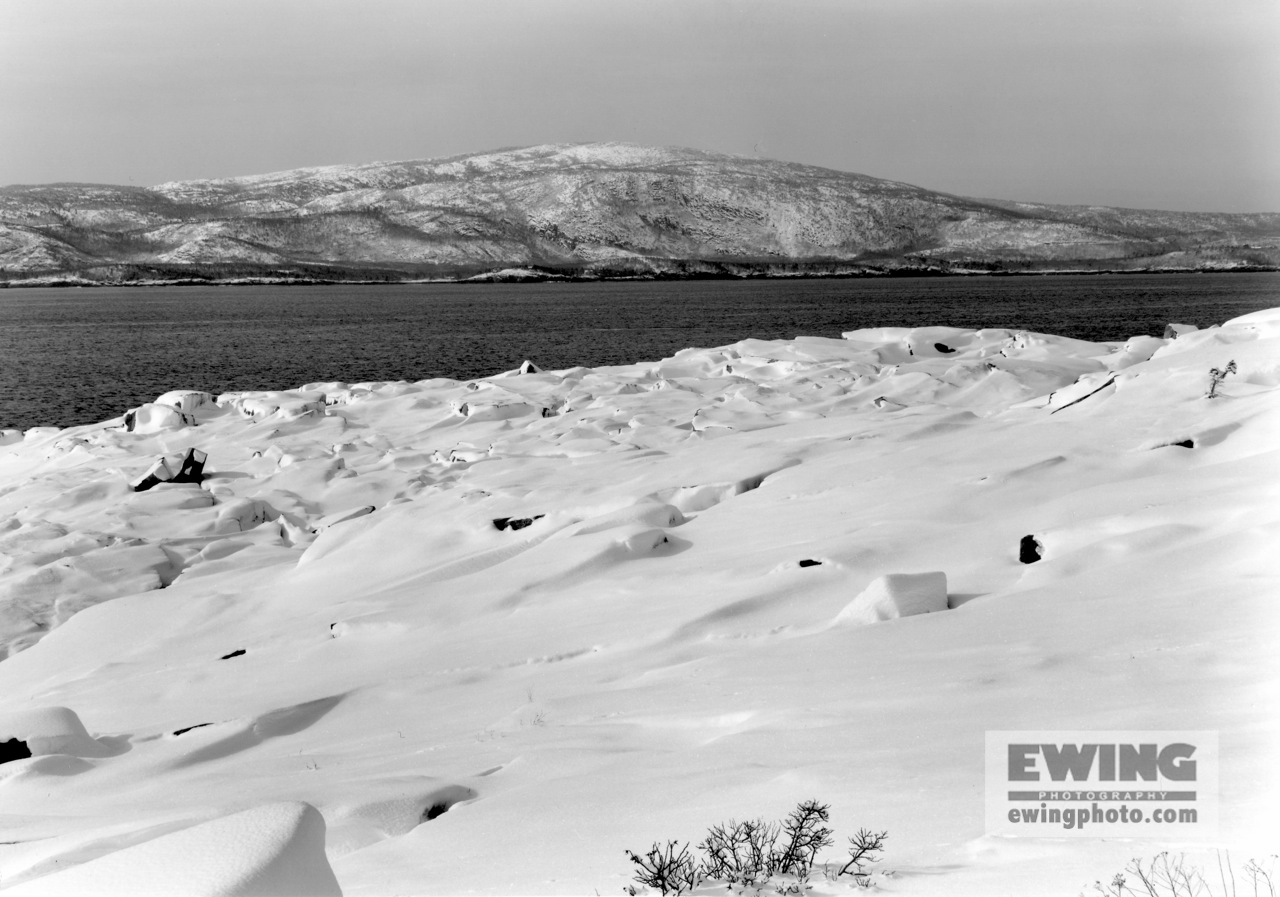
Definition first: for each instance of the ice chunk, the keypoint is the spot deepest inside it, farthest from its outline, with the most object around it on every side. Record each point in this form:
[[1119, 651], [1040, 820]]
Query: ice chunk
[[897, 595], [275, 850]]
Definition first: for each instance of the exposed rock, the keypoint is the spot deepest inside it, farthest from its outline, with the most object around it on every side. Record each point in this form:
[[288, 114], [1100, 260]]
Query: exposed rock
[[13, 749], [514, 523], [190, 469], [1030, 550]]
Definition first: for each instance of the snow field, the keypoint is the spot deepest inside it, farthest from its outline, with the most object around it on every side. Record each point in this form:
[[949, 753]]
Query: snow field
[[595, 608]]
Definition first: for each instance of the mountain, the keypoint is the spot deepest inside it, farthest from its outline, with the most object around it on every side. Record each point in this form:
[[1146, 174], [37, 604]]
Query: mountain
[[588, 210]]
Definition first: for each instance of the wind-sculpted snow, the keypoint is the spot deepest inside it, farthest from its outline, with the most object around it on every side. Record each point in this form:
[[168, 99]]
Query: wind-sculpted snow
[[583, 210], [497, 631]]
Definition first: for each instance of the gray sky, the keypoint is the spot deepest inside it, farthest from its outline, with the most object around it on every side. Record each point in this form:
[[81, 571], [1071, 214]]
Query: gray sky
[[1148, 103]]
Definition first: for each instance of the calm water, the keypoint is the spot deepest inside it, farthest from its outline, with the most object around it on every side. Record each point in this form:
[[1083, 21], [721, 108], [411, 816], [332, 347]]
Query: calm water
[[74, 356]]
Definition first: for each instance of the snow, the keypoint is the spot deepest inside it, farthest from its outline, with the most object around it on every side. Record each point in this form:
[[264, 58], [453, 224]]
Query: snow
[[276, 850], [488, 650]]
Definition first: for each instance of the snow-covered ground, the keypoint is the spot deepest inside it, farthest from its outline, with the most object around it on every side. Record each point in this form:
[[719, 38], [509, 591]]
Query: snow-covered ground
[[579, 619]]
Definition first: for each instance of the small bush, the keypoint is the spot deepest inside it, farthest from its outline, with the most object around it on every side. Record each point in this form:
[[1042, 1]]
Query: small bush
[[1172, 876], [806, 835], [740, 852], [665, 869], [1217, 376], [865, 847], [751, 853]]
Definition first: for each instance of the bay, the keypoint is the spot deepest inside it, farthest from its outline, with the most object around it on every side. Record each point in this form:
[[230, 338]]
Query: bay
[[79, 356]]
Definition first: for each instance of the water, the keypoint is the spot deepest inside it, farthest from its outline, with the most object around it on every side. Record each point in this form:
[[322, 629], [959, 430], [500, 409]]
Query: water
[[75, 356]]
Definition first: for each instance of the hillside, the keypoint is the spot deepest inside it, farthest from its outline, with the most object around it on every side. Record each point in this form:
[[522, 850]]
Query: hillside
[[592, 210]]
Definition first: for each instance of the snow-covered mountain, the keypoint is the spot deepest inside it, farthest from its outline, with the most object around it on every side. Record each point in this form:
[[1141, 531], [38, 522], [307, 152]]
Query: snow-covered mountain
[[585, 210]]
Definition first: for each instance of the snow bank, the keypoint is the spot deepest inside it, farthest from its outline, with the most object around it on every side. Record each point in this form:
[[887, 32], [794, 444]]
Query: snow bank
[[275, 850]]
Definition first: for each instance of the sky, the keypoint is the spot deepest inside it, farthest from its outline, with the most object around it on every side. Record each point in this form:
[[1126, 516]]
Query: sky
[[1171, 104]]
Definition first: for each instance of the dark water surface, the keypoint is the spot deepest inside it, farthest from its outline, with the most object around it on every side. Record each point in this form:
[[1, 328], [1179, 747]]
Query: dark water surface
[[75, 356]]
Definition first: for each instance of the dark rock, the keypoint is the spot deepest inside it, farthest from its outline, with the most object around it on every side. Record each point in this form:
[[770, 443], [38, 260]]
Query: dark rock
[[514, 523], [1029, 550], [189, 728], [13, 749], [235, 653], [810, 562]]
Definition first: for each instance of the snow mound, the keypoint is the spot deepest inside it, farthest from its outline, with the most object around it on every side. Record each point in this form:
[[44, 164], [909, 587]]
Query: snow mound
[[52, 730], [276, 850], [155, 418], [191, 402], [897, 595], [277, 404]]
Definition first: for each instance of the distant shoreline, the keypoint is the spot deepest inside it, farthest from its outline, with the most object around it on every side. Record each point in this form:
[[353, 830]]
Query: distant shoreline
[[534, 275]]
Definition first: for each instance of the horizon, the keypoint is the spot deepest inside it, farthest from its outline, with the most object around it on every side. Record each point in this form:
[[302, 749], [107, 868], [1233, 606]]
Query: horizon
[[1165, 106]]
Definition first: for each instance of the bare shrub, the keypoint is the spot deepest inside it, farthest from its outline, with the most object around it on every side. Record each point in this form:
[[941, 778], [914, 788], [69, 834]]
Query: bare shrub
[[1216, 377], [753, 853], [865, 847], [1166, 875], [806, 834], [664, 868], [740, 852]]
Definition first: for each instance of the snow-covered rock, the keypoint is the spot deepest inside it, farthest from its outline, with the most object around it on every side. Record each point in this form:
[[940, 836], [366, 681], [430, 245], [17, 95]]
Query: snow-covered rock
[[193, 403], [896, 595], [51, 730], [273, 404], [156, 418]]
